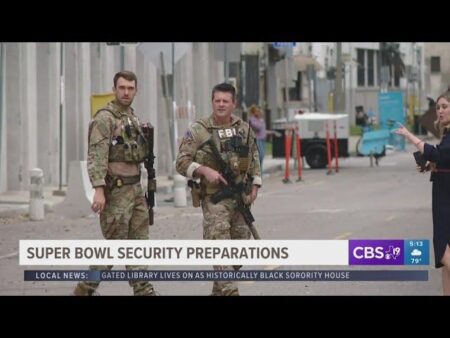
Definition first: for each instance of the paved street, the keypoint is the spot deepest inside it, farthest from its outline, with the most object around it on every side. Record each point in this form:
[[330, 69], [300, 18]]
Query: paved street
[[391, 201]]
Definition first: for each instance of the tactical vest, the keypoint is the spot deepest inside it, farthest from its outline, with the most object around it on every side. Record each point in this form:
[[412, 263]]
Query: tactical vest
[[227, 141], [130, 145]]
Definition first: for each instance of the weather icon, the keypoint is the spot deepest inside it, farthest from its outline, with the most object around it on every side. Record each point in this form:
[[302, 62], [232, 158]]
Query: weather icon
[[416, 252]]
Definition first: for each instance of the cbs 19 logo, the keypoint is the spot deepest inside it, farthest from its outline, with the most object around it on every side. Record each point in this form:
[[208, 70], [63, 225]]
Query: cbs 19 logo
[[368, 252]]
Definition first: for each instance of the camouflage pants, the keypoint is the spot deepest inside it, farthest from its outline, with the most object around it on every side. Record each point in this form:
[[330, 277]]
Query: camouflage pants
[[222, 221], [125, 217]]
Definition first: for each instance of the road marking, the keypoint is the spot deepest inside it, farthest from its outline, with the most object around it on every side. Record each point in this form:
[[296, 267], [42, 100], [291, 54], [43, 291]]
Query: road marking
[[390, 218], [10, 255], [345, 235]]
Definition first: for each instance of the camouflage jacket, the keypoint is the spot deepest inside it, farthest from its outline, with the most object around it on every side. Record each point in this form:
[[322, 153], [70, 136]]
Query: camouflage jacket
[[194, 152], [112, 128]]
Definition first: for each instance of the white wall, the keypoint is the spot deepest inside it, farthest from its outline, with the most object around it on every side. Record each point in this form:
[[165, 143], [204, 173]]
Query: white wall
[[3, 172], [31, 102], [14, 142], [202, 75], [84, 97]]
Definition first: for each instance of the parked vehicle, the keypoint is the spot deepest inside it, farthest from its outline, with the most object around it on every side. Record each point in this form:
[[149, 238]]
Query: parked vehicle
[[312, 129]]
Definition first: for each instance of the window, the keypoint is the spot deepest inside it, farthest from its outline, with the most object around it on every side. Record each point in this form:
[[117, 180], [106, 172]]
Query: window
[[367, 67], [295, 93], [370, 68], [435, 64], [361, 67]]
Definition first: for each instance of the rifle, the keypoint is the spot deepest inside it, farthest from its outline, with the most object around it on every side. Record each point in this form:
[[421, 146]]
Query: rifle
[[149, 162], [233, 190]]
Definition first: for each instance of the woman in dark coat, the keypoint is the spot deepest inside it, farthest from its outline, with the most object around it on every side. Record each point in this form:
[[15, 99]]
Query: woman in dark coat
[[439, 165]]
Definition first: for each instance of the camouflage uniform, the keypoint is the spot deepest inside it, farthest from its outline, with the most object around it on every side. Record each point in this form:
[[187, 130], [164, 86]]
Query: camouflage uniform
[[221, 220], [116, 148]]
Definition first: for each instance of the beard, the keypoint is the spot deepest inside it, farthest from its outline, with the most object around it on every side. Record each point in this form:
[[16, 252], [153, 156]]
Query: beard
[[125, 102]]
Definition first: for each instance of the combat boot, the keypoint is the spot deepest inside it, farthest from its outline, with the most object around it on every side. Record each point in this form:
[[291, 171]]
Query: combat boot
[[144, 289], [232, 293], [84, 290], [221, 288], [226, 291]]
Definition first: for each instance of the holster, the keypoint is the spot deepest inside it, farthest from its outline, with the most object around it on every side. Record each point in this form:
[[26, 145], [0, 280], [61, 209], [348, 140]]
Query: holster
[[196, 193]]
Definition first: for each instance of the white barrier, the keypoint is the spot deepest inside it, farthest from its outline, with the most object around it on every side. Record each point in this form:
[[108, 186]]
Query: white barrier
[[179, 189], [79, 193], [36, 194], [183, 116]]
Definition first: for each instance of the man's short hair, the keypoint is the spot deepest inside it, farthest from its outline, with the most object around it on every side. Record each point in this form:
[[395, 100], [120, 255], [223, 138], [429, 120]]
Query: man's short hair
[[127, 75], [224, 87]]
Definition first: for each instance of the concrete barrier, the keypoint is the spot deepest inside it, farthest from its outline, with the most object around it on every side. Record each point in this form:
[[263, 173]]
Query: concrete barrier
[[180, 198], [79, 193], [36, 194]]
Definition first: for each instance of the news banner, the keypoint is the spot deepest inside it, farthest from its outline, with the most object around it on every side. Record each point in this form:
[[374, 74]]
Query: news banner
[[274, 254]]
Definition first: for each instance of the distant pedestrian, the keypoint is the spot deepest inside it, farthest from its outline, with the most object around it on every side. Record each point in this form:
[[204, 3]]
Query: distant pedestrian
[[258, 125]]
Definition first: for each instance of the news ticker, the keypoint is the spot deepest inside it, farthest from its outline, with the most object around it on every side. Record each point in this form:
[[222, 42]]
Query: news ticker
[[225, 252], [211, 275]]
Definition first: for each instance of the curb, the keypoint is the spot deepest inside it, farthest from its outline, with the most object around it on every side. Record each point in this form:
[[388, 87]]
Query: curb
[[20, 209], [13, 212]]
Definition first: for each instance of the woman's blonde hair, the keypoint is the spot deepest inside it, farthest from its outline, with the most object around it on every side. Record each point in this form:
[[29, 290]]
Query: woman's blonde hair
[[437, 124], [255, 110]]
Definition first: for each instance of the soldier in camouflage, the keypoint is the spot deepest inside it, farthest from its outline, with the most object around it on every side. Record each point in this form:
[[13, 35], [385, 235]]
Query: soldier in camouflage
[[117, 147], [195, 160]]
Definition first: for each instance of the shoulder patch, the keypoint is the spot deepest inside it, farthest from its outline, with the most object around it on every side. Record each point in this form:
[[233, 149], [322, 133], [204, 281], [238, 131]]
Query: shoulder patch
[[199, 132], [188, 135]]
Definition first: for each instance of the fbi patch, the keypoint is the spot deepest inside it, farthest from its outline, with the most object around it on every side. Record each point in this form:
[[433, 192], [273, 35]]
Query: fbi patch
[[226, 133]]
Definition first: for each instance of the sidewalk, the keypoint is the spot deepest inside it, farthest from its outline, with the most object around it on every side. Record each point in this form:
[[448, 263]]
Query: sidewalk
[[13, 203]]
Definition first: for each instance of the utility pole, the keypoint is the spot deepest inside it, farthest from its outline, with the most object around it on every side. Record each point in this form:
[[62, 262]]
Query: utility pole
[[384, 83], [122, 57], [174, 104], [173, 70], [169, 103], [60, 192], [225, 61], [350, 85], [286, 88], [1, 113], [310, 74], [338, 101], [419, 77]]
